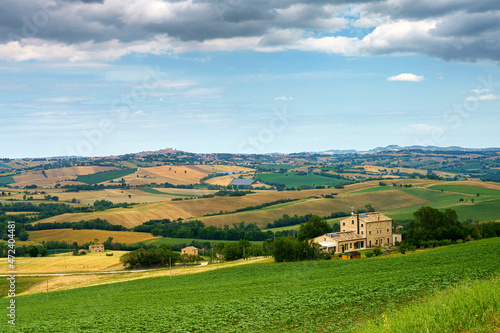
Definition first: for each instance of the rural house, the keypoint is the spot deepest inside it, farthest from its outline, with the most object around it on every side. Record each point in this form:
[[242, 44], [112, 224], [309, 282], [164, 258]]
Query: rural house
[[359, 231], [96, 248], [191, 250]]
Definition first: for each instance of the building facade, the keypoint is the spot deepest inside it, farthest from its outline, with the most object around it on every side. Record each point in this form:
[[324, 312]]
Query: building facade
[[96, 248], [359, 231], [191, 250]]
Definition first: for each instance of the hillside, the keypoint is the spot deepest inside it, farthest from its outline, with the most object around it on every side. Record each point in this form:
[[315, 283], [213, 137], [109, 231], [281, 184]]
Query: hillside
[[263, 297]]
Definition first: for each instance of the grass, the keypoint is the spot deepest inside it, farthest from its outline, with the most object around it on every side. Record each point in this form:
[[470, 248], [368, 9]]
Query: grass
[[22, 284], [104, 176], [473, 306], [153, 191], [319, 296], [466, 189], [293, 180], [6, 180]]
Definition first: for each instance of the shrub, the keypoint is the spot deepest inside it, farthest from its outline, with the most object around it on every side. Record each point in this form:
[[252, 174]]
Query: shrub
[[377, 252], [369, 254]]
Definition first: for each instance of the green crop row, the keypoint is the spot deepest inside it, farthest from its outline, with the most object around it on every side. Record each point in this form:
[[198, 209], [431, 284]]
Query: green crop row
[[314, 296]]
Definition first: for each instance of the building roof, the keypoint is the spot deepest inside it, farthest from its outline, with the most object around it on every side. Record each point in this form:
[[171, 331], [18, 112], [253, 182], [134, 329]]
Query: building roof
[[328, 244], [347, 236], [96, 245], [369, 217], [190, 248]]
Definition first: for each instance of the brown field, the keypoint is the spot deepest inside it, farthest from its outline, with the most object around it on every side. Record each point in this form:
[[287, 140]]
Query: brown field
[[85, 236], [182, 174], [218, 168], [62, 175], [79, 281], [198, 207], [66, 263], [189, 191], [113, 195], [323, 207]]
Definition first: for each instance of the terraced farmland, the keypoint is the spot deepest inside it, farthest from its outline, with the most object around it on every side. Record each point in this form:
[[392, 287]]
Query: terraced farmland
[[289, 297]]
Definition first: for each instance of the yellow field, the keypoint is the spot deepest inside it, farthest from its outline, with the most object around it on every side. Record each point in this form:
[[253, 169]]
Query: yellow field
[[62, 175], [221, 180], [113, 195], [183, 174], [323, 207], [79, 281], [85, 236], [66, 263], [220, 168]]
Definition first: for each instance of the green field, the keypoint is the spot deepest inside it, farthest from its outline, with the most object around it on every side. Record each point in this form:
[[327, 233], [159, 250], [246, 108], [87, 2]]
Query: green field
[[6, 180], [466, 189], [293, 180], [105, 176], [311, 296], [153, 191]]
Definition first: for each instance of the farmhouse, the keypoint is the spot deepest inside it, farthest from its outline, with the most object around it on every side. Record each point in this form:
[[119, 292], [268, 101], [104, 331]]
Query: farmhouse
[[96, 248], [191, 250], [359, 231]]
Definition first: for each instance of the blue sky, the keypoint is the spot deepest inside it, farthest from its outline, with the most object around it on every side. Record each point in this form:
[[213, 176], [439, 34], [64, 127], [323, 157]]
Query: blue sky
[[111, 77]]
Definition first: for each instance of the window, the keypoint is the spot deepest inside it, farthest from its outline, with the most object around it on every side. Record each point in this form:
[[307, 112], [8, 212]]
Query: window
[[376, 241], [343, 230], [370, 243], [343, 224], [351, 245], [361, 231], [369, 232], [361, 225], [352, 222], [381, 241], [388, 242], [377, 231], [387, 229]]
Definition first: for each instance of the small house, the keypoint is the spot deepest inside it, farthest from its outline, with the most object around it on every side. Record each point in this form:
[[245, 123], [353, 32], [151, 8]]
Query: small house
[[190, 250], [96, 248], [82, 251], [351, 255]]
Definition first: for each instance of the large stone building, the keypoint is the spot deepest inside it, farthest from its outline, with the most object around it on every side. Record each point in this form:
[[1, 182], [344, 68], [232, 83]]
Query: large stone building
[[190, 250], [96, 248], [357, 232]]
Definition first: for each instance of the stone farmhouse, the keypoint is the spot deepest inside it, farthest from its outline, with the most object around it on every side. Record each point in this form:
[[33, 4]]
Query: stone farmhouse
[[191, 250], [358, 232], [96, 248]]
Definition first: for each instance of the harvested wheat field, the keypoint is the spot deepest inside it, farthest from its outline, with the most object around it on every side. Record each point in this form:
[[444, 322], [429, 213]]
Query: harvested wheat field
[[66, 263], [63, 175], [85, 236]]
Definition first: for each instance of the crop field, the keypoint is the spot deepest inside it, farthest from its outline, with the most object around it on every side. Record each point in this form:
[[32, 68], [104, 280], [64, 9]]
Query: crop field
[[312, 296], [105, 176], [293, 180], [6, 180], [221, 180], [466, 189], [62, 175], [87, 235], [154, 191], [174, 241], [113, 195], [66, 263], [139, 214]]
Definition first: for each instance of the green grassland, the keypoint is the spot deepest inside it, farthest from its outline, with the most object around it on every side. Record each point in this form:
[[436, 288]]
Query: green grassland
[[105, 176], [6, 180], [311, 296], [22, 283], [473, 306], [153, 191], [466, 189], [293, 180]]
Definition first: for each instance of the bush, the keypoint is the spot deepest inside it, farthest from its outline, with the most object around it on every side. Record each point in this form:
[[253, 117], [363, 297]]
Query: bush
[[377, 252], [82, 253], [369, 254]]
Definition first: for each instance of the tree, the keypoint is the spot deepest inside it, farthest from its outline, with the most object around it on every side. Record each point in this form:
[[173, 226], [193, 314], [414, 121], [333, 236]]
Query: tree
[[33, 252], [23, 236], [43, 252], [314, 227]]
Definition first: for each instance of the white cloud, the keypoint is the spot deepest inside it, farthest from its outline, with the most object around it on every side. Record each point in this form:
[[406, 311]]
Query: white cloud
[[283, 98], [422, 129], [64, 99], [478, 91], [489, 97], [406, 77]]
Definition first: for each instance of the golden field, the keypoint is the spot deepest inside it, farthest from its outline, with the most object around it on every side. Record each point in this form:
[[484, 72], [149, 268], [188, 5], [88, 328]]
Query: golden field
[[85, 236]]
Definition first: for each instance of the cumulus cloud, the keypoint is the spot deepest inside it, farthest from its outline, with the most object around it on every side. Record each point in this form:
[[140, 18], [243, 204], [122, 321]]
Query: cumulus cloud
[[406, 77], [488, 97], [103, 31]]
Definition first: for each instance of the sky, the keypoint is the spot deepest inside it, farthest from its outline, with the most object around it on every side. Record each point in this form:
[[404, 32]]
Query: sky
[[94, 78]]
